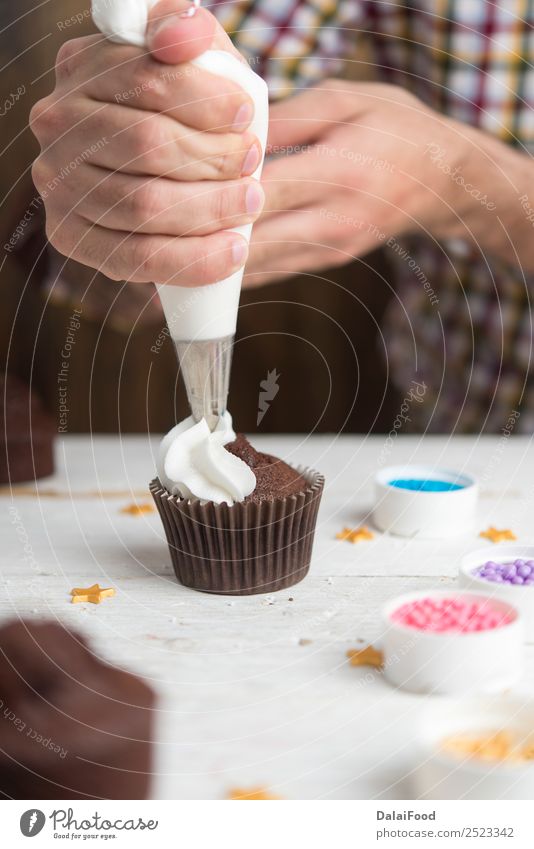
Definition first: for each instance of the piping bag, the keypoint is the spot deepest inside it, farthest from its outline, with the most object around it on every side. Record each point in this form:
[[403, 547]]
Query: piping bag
[[201, 320]]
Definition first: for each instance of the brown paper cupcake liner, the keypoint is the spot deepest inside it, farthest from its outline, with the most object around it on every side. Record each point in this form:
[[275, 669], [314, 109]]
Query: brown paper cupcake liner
[[245, 548]]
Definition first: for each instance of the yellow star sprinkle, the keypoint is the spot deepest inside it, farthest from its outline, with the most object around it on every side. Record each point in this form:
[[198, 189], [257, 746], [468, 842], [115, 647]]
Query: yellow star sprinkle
[[138, 509], [355, 535], [255, 794], [369, 656], [94, 594], [497, 536], [498, 746]]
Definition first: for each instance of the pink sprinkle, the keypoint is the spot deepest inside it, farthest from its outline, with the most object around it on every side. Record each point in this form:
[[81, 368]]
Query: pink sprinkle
[[460, 614]]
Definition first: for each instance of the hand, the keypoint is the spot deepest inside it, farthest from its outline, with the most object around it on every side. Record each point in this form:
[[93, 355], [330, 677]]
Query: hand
[[361, 172], [145, 158]]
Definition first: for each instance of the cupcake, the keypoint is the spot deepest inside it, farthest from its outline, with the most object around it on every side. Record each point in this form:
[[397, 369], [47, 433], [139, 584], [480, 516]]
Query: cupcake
[[71, 727], [237, 521]]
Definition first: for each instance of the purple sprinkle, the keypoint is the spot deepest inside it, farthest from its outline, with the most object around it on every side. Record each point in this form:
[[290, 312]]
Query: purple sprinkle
[[518, 573]]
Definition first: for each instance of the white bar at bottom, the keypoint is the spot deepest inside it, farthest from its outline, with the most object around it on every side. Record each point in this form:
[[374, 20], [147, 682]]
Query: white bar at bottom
[[313, 824]]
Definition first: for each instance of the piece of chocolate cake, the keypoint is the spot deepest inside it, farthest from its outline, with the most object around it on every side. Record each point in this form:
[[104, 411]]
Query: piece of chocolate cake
[[26, 434], [71, 726], [274, 477]]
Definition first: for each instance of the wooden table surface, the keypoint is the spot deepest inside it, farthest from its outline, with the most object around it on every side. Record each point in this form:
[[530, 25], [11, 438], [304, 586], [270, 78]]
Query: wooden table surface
[[257, 690]]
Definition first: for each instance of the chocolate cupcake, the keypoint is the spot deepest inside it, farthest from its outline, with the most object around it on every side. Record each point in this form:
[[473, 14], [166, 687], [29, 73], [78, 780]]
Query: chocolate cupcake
[[255, 534], [71, 727], [26, 434]]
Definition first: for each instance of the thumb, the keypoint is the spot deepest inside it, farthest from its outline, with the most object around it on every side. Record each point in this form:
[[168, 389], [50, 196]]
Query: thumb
[[174, 36], [305, 117]]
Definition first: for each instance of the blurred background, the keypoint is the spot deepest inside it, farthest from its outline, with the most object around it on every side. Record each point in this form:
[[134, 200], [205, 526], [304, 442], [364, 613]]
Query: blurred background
[[319, 333]]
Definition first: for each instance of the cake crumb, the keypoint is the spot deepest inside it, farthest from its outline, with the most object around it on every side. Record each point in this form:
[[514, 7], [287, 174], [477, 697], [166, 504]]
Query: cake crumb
[[369, 656], [355, 535], [498, 536], [138, 509], [255, 794], [304, 641]]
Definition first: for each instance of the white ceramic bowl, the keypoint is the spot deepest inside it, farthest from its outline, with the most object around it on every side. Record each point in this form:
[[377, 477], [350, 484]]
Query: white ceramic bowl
[[432, 515], [452, 663], [440, 775], [522, 597]]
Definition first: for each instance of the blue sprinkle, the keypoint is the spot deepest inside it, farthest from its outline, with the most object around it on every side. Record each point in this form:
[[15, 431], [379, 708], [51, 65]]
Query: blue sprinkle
[[418, 485]]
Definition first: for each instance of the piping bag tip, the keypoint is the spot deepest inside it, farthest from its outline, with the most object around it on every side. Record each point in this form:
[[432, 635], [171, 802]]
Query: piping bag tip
[[205, 367]]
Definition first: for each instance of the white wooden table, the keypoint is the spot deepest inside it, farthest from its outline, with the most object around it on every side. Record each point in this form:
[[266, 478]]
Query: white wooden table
[[253, 691]]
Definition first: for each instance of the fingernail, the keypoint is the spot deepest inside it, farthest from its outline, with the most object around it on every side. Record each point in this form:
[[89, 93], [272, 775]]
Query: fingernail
[[252, 160], [239, 253], [253, 199], [158, 25], [243, 117]]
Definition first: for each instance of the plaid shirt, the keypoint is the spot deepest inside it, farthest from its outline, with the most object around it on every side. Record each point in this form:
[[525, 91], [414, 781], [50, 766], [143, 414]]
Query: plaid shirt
[[472, 60]]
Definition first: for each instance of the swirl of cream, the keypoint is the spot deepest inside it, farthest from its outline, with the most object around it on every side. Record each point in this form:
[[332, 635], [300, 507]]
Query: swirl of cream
[[193, 463]]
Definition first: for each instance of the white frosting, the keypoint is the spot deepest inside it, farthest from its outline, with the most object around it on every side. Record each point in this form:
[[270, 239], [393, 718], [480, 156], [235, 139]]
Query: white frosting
[[193, 463], [207, 312]]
